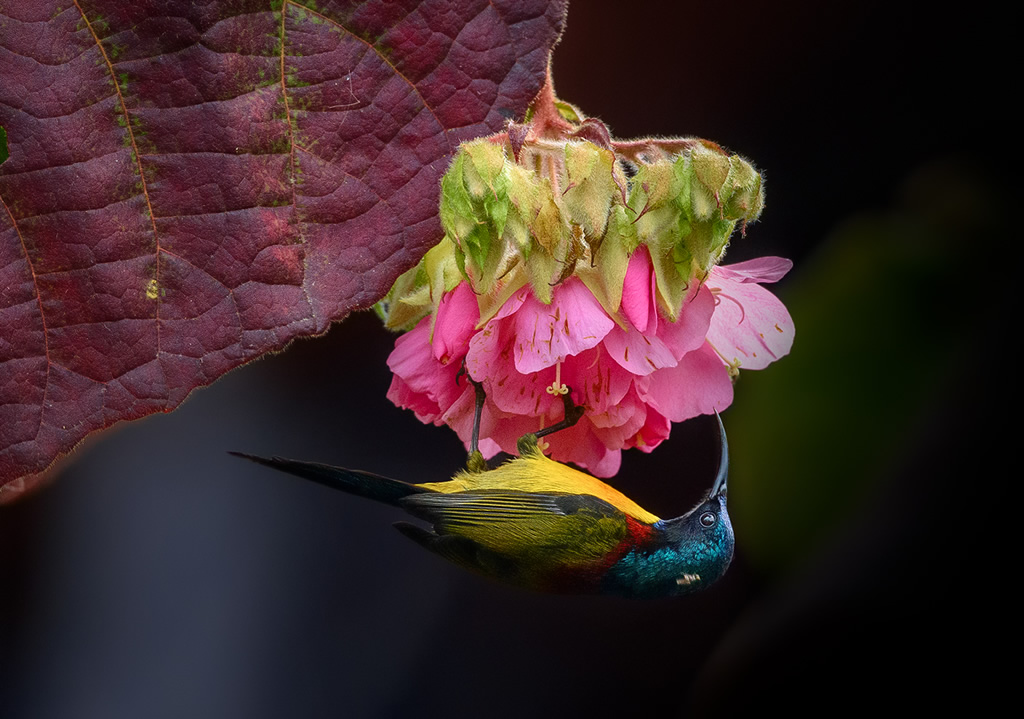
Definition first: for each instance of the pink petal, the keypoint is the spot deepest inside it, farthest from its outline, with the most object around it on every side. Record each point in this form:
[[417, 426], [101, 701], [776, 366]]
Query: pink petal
[[412, 359], [460, 416], [632, 424], [546, 334], [488, 447], [637, 352], [412, 349], [460, 413], [581, 446], [626, 417], [750, 324], [516, 393], [498, 431], [596, 380], [489, 357], [489, 361], [421, 383], [426, 409], [699, 384], [762, 269], [636, 289], [454, 324], [504, 430], [512, 304], [489, 353], [690, 330], [655, 431], [607, 465]]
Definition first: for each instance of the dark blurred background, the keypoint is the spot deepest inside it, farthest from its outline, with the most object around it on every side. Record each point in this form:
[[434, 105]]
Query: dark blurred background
[[159, 577]]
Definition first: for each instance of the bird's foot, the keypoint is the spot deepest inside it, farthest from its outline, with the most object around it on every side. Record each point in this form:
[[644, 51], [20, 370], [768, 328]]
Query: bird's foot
[[573, 414], [475, 462]]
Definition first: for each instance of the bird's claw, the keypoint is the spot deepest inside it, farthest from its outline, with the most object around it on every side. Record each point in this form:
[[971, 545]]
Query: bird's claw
[[573, 414]]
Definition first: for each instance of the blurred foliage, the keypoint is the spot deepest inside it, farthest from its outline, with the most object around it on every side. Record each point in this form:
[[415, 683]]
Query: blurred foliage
[[883, 310]]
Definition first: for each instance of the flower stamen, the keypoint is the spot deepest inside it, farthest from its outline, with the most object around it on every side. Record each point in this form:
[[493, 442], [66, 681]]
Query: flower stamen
[[733, 364], [717, 292], [542, 444], [556, 387]]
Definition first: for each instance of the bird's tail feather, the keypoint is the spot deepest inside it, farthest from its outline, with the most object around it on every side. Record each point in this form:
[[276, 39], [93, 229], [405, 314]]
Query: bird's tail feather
[[353, 481]]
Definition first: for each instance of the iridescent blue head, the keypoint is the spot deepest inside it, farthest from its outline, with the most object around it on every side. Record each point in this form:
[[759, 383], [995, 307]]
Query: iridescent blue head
[[684, 554]]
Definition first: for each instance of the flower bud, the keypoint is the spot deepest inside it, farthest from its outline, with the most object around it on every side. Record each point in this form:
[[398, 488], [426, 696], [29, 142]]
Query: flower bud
[[687, 208], [527, 210]]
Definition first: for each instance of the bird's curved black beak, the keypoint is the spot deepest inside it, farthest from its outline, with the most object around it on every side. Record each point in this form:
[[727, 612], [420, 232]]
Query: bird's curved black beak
[[718, 488]]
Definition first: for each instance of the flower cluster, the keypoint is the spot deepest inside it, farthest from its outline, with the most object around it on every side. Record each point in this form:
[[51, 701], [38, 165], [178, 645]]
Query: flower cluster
[[634, 373], [561, 272]]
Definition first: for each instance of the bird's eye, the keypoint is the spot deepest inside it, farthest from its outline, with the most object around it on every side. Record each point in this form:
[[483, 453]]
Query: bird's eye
[[708, 519]]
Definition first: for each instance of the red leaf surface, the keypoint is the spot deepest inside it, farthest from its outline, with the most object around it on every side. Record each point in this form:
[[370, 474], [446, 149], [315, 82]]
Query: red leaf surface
[[192, 184]]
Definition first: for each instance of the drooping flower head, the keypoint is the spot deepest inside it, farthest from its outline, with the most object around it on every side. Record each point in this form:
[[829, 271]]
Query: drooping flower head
[[580, 265]]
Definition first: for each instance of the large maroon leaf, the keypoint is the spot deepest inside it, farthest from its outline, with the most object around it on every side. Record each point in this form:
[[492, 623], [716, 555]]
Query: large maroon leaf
[[192, 184]]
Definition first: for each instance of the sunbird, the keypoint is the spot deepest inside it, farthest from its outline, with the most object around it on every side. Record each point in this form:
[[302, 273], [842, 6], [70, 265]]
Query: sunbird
[[542, 525]]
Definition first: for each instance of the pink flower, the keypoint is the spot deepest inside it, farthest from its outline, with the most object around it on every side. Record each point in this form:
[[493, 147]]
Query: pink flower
[[634, 373], [751, 328]]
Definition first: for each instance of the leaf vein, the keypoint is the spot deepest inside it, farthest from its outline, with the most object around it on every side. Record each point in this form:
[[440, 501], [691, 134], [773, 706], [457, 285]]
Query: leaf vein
[[42, 314], [138, 159]]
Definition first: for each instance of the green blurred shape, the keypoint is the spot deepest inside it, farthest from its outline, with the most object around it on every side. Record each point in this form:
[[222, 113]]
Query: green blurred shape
[[881, 312], [3, 144]]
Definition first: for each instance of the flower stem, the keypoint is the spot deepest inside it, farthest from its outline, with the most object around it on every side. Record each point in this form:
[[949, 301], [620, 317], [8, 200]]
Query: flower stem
[[547, 121]]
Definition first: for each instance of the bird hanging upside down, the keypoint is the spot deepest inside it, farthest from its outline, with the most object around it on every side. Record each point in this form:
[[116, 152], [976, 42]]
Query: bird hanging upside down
[[543, 525]]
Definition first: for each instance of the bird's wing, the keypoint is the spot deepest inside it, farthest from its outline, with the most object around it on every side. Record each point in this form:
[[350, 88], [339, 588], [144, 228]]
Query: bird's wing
[[546, 529], [535, 473]]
